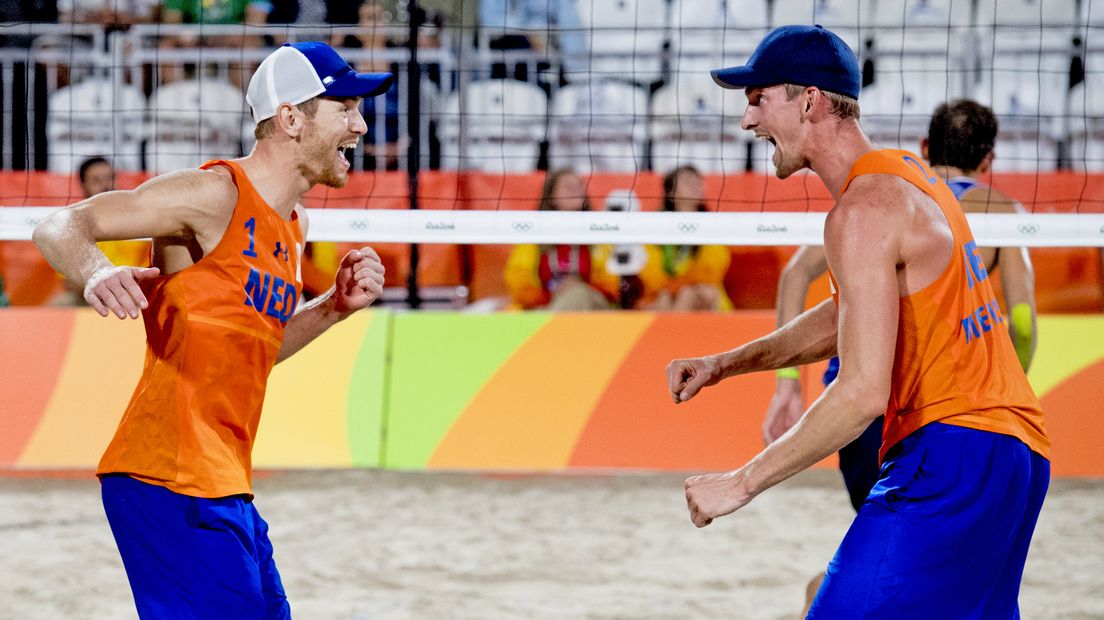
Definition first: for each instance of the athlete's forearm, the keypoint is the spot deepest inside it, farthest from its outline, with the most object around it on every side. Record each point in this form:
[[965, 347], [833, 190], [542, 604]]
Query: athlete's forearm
[[811, 337], [66, 240], [840, 415], [308, 323]]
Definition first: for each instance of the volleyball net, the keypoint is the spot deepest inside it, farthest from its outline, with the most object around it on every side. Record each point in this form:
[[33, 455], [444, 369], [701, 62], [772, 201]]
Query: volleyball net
[[486, 101]]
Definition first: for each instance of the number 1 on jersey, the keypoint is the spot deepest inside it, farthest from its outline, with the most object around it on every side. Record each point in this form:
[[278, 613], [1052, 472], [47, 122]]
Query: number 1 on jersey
[[251, 225]]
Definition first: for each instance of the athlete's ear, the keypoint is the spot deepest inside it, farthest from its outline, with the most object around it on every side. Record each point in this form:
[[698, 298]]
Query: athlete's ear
[[290, 120], [924, 148], [986, 163], [812, 96]]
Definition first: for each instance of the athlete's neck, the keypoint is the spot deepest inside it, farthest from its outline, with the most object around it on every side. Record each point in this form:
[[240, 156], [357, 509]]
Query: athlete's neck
[[835, 152], [276, 178], [951, 172]]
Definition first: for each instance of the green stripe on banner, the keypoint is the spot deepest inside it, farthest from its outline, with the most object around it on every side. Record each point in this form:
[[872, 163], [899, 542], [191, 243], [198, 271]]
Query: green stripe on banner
[[368, 391], [439, 363]]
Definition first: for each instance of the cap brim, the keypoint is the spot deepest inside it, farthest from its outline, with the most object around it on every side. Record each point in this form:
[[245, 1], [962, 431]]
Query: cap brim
[[740, 77], [355, 84]]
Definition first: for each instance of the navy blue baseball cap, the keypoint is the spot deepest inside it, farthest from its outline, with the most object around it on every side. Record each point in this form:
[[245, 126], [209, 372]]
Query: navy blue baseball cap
[[802, 55], [297, 72]]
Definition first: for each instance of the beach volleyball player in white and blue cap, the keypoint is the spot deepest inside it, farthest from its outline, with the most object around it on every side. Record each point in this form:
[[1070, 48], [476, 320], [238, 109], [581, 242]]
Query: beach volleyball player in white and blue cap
[[220, 308]]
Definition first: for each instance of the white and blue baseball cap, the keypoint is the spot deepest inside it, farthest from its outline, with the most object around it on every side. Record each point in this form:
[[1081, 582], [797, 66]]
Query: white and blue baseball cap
[[297, 72]]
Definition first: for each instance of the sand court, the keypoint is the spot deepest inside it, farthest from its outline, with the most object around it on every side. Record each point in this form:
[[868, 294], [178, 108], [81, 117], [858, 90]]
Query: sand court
[[362, 544]]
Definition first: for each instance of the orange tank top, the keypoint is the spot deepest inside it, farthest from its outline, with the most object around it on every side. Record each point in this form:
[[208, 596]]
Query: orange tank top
[[954, 362], [213, 332]]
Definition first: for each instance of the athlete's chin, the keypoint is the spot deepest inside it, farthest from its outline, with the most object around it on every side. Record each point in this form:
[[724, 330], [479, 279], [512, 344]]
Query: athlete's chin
[[332, 178], [336, 182]]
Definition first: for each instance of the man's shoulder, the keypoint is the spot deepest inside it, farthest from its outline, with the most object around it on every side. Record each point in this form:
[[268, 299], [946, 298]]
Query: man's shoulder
[[878, 192], [212, 188]]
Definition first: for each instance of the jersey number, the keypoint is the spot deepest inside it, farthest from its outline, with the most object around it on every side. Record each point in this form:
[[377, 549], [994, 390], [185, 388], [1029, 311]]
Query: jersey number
[[251, 225]]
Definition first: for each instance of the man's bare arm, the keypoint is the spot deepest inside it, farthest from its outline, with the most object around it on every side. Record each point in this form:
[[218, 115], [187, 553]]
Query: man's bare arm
[[358, 283], [806, 265], [1018, 284], [1016, 273], [862, 239], [182, 204], [811, 337]]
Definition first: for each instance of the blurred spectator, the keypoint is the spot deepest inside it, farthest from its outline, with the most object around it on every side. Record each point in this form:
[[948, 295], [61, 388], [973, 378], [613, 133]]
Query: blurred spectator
[[212, 12], [381, 143], [686, 277], [530, 25], [107, 12], [561, 277], [335, 12], [96, 177]]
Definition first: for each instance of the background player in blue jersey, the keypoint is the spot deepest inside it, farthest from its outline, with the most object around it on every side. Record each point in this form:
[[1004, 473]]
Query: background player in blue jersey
[[960, 148]]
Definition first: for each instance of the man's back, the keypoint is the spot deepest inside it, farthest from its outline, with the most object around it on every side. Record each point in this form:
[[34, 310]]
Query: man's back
[[950, 364]]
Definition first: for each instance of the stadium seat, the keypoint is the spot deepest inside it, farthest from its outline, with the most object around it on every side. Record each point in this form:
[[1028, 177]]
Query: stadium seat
[[192, 121], [920, 13], [501, 125], [1049, 13], [1087, 124], [95, 117], [1025, 80], [844, 17], [695, 122], [625, 38], [909, 83], [707, 34], [599, 126]]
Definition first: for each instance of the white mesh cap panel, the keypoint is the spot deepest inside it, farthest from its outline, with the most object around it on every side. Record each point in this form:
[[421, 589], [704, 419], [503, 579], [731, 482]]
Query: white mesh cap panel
[[286, 76]]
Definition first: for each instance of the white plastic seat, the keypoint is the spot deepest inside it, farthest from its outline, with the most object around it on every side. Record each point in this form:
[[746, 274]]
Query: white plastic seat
[[625, 38], [908, 85], [708, 34], [193, 121], [695, 122], [502, 123], [1054, 13], [846, 18], [95, 117], [599, 126], [1026, 83]]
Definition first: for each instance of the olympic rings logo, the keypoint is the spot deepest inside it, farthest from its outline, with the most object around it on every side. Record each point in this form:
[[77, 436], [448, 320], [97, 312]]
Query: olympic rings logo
[[522, 226], [358, 224], [1028, 229], [687, 227], [32, 221]]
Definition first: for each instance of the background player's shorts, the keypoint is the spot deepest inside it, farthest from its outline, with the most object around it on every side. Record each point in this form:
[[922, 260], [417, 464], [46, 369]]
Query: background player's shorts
[[944, 533], [189, 557]]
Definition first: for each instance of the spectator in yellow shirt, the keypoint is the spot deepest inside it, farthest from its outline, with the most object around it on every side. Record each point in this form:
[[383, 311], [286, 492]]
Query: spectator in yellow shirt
[[561, 277], [685, 278]]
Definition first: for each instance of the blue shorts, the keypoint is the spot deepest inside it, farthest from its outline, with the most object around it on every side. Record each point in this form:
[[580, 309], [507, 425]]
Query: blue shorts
[[189, 557], [944, 533], [858, 460]]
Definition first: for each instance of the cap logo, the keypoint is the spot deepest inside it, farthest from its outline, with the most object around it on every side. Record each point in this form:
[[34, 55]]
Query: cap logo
[[326, 81]]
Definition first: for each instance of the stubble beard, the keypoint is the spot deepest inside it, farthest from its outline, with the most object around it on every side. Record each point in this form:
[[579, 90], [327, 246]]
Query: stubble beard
[[784, 166], [319, 165]]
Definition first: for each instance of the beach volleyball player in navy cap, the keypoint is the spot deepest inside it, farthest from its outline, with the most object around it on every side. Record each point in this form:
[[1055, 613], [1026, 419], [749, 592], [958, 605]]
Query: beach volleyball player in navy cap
[[220, 307], [921, 339]]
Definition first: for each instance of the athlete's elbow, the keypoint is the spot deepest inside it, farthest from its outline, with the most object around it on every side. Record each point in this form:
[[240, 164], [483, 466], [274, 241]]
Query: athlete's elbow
[[867, 400]]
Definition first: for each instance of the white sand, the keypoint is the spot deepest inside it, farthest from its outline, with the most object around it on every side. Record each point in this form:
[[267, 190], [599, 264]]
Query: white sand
[[363, 545]]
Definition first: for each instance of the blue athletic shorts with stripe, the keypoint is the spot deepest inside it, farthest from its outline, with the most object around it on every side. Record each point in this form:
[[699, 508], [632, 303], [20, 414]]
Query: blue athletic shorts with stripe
[[943, 534], [193, 558], [858, 460]]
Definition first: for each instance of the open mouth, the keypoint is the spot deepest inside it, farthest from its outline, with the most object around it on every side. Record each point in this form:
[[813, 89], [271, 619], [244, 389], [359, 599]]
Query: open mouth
[[766, 138], [345, 153]]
